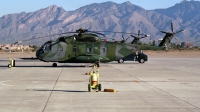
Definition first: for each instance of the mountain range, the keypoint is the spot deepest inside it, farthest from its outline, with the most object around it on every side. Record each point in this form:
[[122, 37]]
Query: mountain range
[[107, 16]]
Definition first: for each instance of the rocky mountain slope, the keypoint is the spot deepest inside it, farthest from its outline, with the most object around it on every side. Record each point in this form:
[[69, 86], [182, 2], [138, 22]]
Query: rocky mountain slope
[[107, 16]]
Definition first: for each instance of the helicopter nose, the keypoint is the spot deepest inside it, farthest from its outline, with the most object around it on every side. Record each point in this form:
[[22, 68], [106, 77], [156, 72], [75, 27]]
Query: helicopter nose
[[39, 53]]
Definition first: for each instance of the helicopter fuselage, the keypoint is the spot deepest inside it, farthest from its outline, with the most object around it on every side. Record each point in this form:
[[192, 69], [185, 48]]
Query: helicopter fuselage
[[166, 40], [69, 49]]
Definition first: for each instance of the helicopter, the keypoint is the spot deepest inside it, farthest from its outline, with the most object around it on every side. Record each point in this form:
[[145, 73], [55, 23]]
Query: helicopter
[[138, 38], [86, 46], [169, 36], [163, 45]]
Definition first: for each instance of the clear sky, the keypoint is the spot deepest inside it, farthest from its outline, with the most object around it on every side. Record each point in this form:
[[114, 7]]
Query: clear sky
[[18, 6]]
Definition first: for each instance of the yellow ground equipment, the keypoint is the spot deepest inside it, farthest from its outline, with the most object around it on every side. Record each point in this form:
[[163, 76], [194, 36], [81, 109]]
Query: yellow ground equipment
[[12, 63], [94, 80]]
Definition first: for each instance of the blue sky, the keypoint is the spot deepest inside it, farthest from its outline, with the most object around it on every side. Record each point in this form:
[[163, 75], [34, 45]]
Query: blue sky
[[17, 6]]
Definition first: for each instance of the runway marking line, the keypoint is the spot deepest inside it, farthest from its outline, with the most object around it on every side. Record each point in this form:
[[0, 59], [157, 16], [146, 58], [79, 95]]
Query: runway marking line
[[2, 83]]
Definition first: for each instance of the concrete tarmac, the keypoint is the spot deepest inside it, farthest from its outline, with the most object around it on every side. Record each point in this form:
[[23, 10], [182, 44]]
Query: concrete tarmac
[[159, 85]]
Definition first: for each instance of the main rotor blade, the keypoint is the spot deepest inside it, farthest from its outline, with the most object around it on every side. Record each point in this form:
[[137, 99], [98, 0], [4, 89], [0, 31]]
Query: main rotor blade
[[127, 38], [133, 36], [172, 27], [122, 37], [138, 33], [177, 40], [119, 32], [179, 31], [164, 32], [145, 36], [42, 37], [96, 33]]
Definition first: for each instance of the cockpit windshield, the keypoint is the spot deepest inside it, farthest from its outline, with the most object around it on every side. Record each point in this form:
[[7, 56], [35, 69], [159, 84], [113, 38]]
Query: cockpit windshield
[[47, 46]]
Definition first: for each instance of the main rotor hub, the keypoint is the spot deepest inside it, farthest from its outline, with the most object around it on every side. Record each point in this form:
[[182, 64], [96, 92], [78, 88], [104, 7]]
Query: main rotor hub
[[81, 31]]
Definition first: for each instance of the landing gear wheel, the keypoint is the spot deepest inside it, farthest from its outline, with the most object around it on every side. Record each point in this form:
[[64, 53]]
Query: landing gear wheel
[[141, 60], [9, 66], [99, 88], [54, 65], [120, 61]]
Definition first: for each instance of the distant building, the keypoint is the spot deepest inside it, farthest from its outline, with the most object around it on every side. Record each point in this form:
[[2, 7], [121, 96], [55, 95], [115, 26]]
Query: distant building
[[10, 47], [187, 44]]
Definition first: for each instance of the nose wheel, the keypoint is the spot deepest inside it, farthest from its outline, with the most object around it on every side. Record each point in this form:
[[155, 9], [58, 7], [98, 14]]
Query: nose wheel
[[120, 61], [54, 64]]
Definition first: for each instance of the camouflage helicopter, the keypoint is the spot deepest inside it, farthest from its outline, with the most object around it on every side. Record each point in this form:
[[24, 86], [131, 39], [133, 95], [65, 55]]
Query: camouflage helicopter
[[163, 45], [169, 36], [87, 47], [138, 38]]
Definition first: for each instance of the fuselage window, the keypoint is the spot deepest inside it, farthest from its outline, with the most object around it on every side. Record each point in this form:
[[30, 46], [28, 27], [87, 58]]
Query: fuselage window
[[104, 50], [74, 49], [89, 50], [61, 49]]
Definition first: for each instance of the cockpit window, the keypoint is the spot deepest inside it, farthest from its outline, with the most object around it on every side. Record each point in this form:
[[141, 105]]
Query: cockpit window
[[47, 47], [62, 39]]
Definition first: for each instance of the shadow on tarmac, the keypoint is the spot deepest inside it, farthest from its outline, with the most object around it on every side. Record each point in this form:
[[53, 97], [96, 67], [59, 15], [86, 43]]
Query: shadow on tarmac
[[69, 66], [73, 91], [43, 66]]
